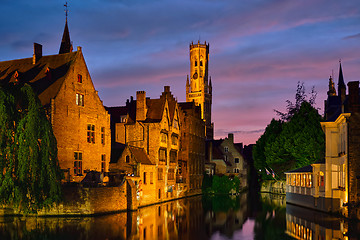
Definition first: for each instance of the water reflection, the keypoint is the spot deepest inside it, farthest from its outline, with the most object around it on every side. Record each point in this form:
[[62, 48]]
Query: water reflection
[[222, 217]]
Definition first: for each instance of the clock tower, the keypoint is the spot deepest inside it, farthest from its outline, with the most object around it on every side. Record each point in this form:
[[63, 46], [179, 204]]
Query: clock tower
[[199, 88]]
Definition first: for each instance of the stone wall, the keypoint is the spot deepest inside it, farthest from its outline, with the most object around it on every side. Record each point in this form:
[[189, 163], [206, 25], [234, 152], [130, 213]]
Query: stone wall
[[273, 186], [89, 201]]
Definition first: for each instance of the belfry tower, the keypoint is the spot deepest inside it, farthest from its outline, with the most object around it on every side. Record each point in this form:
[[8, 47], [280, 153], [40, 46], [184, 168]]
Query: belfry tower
[[199, 88]]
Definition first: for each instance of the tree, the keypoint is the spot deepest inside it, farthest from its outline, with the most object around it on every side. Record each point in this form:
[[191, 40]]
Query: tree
[[300, 143], [294, 141], [271, 133], [31, 173]]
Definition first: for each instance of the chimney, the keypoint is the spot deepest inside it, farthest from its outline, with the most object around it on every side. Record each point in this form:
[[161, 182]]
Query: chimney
[[231, 137], [166, 89], [141, 106], [37, 52], [353, 95]]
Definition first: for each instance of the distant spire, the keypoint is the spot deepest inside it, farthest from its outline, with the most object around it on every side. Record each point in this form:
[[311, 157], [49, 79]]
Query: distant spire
[[341, 84], [66, 45], [332, 91]]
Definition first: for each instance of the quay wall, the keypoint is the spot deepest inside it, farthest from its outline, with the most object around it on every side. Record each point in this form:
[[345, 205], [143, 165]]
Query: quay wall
[[273, 186]]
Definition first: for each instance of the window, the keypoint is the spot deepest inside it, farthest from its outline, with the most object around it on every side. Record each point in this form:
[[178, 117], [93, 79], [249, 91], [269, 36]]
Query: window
[[103, 135], [171, 175], [236, 160], [127, 159], [80, 99], [195, 63], [90, 133], [321, 179], [176, 123], [225, 158], [174, 140], [226, 149], [103, 163], [79, 78], [173, 156], [151, 177], [144, 177], [236, 170], [162, 155], [160, 175], [123, 118], [77, 163], [163, 137]]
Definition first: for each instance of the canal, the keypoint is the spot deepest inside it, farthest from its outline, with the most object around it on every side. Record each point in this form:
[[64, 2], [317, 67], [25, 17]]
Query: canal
[[218, 218]]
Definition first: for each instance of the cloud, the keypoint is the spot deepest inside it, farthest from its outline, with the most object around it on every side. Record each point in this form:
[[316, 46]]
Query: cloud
[[352, 36]]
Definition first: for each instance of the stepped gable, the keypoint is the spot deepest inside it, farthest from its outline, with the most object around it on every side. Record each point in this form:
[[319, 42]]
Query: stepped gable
[[45, 76]]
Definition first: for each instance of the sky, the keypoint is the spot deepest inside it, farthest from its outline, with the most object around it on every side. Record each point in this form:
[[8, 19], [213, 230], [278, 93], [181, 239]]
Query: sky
[[259, 49]]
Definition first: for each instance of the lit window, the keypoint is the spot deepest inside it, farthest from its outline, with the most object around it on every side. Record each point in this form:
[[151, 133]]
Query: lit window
[[80, 99], [103, 135], [123, 118], [103, 163], [77, 163], [90, 133], [79, 78]]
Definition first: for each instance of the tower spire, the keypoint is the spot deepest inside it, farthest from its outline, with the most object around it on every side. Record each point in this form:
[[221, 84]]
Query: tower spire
[[341, 84], [66, 46]]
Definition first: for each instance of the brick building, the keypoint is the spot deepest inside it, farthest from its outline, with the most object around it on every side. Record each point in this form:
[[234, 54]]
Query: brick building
[[199, 88], [227, 157], [192, 148], [80, 122], [154, 126]]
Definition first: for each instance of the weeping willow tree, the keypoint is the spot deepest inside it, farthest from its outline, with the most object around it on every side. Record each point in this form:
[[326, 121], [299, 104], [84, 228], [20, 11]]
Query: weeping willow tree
[[31, 175]]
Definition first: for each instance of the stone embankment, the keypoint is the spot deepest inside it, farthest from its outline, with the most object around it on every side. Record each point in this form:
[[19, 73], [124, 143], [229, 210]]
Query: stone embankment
[[273, 186]]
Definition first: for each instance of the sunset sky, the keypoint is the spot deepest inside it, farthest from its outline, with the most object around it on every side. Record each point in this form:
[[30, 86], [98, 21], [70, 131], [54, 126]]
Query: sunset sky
[[259, 49]]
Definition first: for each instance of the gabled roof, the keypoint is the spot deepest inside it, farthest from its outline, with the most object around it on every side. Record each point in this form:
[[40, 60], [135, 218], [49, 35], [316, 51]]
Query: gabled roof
[[140, 155], [45, 77]]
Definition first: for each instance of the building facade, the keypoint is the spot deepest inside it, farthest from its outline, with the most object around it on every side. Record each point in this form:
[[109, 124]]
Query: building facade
[[154, 126], [228, 159], [332, 185], [192, 148], [80, 122]]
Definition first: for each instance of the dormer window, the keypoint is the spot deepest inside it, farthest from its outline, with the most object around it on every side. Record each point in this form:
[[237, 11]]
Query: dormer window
[[79, 78], [123, 118]]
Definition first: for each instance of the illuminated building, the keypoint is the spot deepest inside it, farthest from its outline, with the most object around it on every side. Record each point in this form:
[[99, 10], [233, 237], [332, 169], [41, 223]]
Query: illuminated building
[[152, 125], [227, 157], [333, 184], [80, 122], [199, 89], [192, 148]]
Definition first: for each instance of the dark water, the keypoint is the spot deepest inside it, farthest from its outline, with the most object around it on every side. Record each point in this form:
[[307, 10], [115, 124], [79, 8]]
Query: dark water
[[242, 217]]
